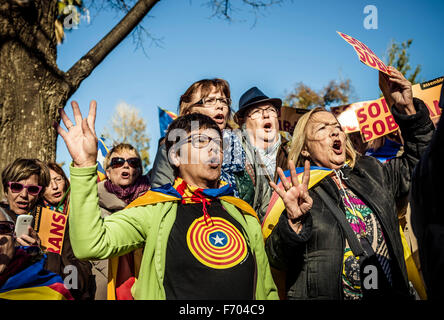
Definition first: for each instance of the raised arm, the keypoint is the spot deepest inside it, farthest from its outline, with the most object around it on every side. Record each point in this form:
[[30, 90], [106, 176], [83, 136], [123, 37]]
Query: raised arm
[[91, 236], [412, 116]]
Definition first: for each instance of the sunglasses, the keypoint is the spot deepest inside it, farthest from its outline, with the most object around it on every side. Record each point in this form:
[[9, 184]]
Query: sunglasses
[[6, 228], [119, 162], [17, 187]]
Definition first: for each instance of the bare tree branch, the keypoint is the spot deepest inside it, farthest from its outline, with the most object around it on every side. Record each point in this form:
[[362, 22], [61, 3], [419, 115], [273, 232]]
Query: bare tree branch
[[83, 68]]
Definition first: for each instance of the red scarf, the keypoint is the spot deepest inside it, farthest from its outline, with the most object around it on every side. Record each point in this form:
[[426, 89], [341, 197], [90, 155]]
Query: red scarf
[[130, 193]]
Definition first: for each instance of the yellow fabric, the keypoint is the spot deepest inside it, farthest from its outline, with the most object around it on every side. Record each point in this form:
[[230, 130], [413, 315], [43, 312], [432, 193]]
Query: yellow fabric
[[412, 270], [113, 264], [272, 218], [153, 197], [34, 293]]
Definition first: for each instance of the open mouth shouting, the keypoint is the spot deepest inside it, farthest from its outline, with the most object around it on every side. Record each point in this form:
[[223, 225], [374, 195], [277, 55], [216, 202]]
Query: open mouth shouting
[[125, 175], [337, 147], [219, 118], [214, 162], [268, 126]]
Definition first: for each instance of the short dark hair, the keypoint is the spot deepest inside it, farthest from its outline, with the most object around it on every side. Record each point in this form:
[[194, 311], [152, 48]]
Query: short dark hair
[[186, 123], [22, 169]]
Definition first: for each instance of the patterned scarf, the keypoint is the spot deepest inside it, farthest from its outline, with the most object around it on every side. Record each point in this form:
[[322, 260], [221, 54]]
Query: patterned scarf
[[191, 194], [130, 193]]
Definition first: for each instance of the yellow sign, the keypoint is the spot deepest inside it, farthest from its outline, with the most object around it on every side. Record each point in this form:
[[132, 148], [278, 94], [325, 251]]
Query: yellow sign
[[430, 92], [50, 226]]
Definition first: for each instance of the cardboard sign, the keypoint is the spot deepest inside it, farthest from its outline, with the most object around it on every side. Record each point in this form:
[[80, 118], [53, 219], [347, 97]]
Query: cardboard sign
[[288, 117], [365, 54], [50, 226], [375, 120], [346, 115], [430, 92]]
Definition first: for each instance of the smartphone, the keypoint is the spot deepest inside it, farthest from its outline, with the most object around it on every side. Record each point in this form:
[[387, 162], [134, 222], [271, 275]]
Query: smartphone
[[21, 225]]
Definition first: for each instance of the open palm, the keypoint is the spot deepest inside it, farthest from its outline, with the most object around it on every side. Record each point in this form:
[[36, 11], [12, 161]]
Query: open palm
[[80, 139], [295, 196]]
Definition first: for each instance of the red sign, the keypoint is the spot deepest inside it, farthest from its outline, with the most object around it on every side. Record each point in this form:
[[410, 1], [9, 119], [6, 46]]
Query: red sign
[[375, 120], [365, 54]]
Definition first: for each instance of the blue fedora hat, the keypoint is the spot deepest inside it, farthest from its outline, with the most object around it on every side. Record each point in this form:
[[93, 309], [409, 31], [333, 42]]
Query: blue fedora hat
[[252, 97]]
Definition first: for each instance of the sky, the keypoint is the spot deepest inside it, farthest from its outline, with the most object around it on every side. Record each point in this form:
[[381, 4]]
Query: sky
[[274, 49]]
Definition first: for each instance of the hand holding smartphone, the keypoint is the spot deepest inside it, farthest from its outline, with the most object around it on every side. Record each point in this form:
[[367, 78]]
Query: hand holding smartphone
[[21, 225], [25, 235]]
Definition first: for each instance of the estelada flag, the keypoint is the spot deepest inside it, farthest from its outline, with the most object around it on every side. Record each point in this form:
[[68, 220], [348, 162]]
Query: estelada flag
[[33, 282], [276, 205], [165, 118]]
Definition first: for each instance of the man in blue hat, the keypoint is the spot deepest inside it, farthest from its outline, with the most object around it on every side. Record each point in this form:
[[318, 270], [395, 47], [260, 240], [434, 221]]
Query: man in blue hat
[[265, 148]]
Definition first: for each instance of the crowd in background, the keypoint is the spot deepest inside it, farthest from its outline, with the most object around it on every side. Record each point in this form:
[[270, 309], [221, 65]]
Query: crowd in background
[[137, 236]]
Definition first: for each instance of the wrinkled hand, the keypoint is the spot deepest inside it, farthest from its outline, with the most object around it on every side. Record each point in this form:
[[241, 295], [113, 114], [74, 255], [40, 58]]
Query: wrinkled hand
[[30, 239], [397, 90], [295, 196], [80, 139]]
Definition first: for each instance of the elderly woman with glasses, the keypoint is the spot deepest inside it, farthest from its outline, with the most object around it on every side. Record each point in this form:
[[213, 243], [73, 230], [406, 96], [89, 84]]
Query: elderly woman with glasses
[[210, 97], [56, 198], [340, 240], [23, 182]]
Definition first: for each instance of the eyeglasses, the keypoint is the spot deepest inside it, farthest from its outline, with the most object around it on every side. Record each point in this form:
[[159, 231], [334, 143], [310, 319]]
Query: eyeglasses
[[271, 111], [6, 228], [119, 162], [17, 187], [201, 141], [212, 101], [58, 179]]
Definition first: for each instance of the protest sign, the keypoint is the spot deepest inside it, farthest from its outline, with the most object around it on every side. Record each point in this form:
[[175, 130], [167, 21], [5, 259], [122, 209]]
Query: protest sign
[[375, 120], [50, 226], [365, 54], [288, 117], [346, 115], [430, 92]]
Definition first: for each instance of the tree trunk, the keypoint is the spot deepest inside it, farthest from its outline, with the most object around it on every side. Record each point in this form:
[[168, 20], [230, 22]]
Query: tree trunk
[[32, 88]]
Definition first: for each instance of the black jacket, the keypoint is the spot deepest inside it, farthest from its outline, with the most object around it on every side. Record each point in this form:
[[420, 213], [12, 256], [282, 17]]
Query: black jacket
[[428, 214], [313, 259]]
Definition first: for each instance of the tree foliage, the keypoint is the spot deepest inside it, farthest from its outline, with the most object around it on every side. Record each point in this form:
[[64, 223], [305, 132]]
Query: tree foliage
[[128, 126], [33, 87], [334, 93], [399, 58]]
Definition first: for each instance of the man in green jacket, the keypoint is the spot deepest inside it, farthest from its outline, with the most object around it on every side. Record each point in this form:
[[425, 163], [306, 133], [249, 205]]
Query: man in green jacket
[[198, 241]]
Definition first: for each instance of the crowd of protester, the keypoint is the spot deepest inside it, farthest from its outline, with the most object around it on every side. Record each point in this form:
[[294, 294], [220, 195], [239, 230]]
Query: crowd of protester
[[191, 227]]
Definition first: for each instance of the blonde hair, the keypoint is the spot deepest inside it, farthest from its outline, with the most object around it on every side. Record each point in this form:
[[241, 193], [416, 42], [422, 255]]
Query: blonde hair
[[119, 148], [298, 141]]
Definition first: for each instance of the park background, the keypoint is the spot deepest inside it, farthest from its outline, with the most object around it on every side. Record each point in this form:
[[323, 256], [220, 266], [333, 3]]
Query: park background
[[273, 48]]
